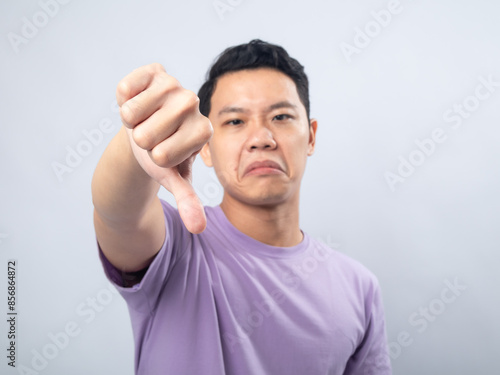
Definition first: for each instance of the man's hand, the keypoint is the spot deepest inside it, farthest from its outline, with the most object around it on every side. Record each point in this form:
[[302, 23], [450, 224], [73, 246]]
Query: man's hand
[[166, 130]]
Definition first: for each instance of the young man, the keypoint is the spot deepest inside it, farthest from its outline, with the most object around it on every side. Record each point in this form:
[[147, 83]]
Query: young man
[[237, 288]]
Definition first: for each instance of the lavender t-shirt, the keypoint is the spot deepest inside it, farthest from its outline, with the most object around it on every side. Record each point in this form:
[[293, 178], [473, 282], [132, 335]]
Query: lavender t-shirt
[[223, 303]]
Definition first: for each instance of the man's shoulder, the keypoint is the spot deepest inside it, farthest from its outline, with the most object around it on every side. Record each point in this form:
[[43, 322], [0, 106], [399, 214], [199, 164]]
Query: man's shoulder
[[344, 265]]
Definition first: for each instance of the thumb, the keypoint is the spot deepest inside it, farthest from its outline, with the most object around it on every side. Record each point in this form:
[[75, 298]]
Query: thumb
[[189, 205]]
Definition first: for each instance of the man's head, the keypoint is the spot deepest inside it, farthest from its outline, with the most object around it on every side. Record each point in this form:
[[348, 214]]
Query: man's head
[[253, 55], [262, 131]]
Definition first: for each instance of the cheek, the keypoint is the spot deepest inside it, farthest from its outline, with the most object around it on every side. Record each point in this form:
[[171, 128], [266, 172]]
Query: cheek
[[225, 159], [297, 152]]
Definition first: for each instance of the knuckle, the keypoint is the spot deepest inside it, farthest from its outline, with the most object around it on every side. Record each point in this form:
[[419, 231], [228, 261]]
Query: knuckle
[[188, 103], [127, 114], [202, 132], [160, 157], [122, 90], [206, 129], [157, 67], [165, 82], [191, 99], [142, 138], [172, 81], [131, 111]]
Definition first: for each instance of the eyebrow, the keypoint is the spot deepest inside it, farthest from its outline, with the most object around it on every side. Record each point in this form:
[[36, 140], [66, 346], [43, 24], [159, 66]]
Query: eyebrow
[[232, 109]]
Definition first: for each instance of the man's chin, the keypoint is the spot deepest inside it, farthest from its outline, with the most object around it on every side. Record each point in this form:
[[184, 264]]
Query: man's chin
[[267, 199]]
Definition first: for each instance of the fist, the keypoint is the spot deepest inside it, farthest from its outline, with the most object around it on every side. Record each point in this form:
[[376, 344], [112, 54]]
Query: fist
[[166, 131]]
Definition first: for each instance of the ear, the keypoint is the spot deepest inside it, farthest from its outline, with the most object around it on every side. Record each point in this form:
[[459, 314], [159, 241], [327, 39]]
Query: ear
[[312, 136], [206, 155]]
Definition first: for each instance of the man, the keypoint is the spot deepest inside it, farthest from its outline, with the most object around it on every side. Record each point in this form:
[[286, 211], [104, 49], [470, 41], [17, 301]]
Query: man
[[237, 288]]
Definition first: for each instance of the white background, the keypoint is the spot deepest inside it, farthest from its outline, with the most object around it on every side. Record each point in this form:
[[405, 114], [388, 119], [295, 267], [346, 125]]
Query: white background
[[441, 225]]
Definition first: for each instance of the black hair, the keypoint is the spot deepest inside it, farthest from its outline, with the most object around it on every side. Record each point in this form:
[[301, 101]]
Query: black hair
[[252, 55]]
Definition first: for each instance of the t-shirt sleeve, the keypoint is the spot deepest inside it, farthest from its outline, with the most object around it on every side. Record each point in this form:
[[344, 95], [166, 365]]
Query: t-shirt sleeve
[[372, 356], [143, 296]]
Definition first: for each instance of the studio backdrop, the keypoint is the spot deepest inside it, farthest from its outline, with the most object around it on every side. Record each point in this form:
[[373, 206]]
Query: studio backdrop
[[405, 177]]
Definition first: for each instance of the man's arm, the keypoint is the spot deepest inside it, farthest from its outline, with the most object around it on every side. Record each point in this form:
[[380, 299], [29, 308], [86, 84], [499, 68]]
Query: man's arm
[[372, 355], [162, 133], [128, 217]]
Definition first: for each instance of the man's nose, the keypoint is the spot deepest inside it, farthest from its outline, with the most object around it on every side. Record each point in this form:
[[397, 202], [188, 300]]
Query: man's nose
[[260, 138]]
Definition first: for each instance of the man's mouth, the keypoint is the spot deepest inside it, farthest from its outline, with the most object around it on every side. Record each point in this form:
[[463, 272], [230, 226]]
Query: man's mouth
[[264, 167]]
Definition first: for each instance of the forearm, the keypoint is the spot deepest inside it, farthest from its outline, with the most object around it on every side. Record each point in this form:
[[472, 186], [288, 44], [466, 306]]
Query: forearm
[[121, 190]]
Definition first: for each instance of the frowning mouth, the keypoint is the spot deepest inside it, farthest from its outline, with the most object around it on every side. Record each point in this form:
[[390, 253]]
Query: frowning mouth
[[264, 167]]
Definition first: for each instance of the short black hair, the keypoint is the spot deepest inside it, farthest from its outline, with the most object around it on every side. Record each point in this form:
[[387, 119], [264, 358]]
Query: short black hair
[[252, 55]]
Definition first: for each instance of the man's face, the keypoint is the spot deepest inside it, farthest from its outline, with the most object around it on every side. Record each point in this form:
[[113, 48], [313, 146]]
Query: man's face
[[261, 136]]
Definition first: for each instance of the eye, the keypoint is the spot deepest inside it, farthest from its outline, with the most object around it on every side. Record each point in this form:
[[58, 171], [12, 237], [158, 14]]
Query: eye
[[234, 122], [282, 117]]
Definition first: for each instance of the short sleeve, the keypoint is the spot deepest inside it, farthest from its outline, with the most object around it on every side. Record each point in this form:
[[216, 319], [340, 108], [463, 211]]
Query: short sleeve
[[372, 356], [143, 296]]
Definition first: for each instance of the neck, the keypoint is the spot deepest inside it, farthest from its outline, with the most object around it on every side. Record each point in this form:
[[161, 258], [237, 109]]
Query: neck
[[276, 225]]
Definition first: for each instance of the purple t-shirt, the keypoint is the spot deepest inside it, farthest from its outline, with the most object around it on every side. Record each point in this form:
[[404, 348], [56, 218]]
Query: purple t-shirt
[[223, 303]]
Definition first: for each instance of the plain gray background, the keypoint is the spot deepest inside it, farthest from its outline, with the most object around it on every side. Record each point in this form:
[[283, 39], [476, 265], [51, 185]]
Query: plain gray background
[[438, 226]]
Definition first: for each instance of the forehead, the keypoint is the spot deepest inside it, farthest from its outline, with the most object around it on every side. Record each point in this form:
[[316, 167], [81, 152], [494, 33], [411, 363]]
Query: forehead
[[253, 88]]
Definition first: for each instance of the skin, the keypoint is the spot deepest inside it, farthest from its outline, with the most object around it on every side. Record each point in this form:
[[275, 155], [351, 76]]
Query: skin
[[257, 115]]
